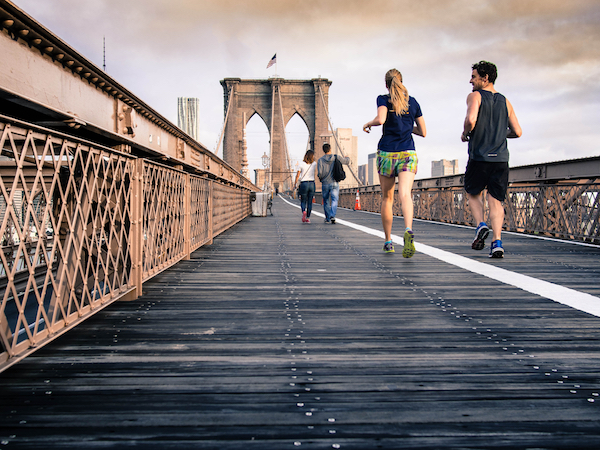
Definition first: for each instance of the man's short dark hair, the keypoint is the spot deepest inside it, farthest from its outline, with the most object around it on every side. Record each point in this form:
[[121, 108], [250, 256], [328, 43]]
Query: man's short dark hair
[[326, 147], [484, 68]]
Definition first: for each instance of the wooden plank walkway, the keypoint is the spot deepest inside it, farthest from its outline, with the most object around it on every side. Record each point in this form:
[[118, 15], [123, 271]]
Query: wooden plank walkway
[[286, 335]]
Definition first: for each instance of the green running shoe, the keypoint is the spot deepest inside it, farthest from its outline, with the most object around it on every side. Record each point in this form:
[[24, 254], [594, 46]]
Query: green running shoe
[[409, 245]]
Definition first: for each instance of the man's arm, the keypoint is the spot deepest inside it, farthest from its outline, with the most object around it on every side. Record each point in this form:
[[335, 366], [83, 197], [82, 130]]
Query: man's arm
[[473, 104], [514, 129], [320, 167], [345, 160]]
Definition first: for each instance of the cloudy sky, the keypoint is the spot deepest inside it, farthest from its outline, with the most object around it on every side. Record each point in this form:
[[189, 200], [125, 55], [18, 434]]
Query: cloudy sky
[[547, 53]]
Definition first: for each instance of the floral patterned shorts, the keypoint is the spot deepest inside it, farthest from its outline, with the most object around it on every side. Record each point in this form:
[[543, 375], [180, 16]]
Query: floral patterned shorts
[[390, 164]]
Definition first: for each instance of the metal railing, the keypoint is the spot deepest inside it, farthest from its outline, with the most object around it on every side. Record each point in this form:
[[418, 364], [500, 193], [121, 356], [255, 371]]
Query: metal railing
[[566, 209], [82, 226]]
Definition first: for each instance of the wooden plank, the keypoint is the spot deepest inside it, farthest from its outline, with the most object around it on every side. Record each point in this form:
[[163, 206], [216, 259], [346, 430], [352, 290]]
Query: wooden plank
[[285, 335]]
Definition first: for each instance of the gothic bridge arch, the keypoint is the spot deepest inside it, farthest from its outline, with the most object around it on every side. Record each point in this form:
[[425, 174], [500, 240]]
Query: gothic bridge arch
[[276, 101]]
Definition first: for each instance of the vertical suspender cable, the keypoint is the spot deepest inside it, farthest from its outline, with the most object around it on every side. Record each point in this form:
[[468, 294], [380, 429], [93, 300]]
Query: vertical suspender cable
[[334, 136]]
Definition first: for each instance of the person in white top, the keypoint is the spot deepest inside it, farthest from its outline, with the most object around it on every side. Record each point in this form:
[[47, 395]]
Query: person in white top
[[306, 188]]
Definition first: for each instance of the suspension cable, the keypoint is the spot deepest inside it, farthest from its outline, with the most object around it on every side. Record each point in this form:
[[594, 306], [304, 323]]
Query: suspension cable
[[335, 137]]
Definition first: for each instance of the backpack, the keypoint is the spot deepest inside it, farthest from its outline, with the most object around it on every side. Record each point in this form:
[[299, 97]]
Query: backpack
[[337, 172]]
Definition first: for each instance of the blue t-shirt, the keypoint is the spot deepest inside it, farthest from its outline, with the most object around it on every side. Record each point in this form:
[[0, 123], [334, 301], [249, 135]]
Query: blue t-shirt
[[397, 129]]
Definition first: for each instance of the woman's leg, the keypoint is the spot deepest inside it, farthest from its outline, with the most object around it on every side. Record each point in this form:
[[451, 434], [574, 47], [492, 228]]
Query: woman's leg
[[405, 183], [387, 202], [302, 195], [310, 193]]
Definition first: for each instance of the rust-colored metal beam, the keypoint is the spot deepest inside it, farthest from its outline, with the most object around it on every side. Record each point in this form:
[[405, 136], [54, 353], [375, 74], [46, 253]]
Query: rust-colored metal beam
[[45, 81]]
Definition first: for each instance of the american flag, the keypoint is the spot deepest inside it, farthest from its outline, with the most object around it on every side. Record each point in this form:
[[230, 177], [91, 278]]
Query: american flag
[[273, 60]]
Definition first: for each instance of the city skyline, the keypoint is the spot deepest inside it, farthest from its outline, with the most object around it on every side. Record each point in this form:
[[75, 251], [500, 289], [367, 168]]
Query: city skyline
[[547, 52]]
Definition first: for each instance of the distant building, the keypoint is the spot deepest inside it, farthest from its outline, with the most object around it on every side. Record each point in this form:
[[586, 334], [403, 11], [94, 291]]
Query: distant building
[[372, 176], [188, 110], [362, 173], [349, 147], [444, 167]]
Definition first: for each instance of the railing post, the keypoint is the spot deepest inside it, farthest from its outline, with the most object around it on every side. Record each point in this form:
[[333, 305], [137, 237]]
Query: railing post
[[211, 233], [137, 231], [187, 225]]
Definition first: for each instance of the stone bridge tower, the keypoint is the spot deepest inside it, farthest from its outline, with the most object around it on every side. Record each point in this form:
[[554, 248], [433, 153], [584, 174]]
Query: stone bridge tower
[[275, 100]]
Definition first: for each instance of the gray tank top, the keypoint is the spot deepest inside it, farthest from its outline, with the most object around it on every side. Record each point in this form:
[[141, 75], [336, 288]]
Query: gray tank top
[[487, 141]]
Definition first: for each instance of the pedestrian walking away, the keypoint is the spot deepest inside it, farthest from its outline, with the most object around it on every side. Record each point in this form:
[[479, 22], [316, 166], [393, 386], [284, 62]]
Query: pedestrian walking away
[[330, 188], [490, 120], [306, 188], [401, 117]]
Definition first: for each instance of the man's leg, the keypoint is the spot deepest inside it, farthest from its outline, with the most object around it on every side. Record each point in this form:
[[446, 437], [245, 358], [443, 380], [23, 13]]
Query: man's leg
[[326, 191], [477, 205], [496, 216], [334, 195]]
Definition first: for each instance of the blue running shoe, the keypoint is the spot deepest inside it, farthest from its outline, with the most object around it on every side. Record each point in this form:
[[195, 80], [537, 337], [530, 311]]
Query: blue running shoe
[[496, 250], [481, 233], [388, 247]]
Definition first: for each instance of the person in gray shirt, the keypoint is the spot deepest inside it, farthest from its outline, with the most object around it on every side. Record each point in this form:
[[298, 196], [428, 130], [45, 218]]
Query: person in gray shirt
[[330, 188]]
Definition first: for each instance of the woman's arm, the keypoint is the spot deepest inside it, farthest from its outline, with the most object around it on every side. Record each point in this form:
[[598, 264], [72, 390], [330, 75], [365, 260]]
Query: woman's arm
[[378, 120], [419, 128]]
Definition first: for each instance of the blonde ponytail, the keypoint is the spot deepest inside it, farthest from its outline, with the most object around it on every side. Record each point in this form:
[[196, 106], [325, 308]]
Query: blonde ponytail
[[398, 92]]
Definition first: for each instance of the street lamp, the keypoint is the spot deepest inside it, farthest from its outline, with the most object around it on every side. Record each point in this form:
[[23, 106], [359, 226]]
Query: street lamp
[[265, 162]]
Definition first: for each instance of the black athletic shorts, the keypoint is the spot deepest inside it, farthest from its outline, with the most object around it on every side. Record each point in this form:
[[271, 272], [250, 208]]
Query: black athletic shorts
[[491, 175]]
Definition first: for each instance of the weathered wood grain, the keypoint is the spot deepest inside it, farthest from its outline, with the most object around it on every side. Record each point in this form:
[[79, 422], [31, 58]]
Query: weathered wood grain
[[287, 335]]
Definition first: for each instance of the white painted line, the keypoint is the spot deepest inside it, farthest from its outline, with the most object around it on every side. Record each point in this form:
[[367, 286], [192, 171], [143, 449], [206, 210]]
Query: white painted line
[[570, 297]]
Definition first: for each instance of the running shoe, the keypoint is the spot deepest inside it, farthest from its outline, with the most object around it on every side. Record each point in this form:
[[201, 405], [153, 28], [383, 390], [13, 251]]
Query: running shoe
[[409, 244], [481, 233], [307, 220], [303, 216], [496, 250], [326, 221], [333, 220], [388, 247]]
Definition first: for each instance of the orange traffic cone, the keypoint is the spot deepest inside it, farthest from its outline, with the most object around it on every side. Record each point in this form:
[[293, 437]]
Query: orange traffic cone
[[357, 202]]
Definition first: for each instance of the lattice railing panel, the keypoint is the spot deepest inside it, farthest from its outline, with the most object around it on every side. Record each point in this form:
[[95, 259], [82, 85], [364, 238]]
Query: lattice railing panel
[[64, 231], [200, 232], [163, 218], [564, 210], [229, 207]]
